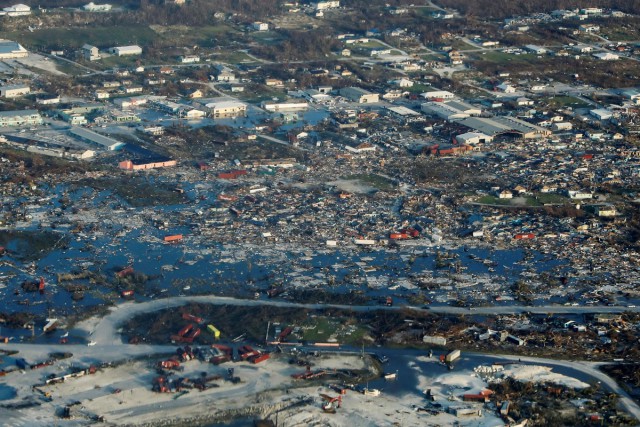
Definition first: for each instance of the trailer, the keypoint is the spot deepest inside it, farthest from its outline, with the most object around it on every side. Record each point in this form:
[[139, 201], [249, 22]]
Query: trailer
[[452, 356], [174, 238]]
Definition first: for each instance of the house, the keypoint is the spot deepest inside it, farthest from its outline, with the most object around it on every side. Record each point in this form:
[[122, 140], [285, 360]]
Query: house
[[505, 194], [195, 94], [92, 7], [606, 211], [260, 26], [359, 95], [606, 56], [224, 74], [274, 82], [324, 5], [588, 28], [579, 195], [126, 50], [189, 59], [403, 82], [89, 52], [12, 50], [101, 94], [17, 10], [582, 48], [192, 113], [524, 102], [14, 91], [345, 52], [455, 57], [505, 88]]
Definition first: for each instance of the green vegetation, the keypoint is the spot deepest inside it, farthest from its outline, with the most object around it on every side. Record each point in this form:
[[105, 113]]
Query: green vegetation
[[137, 191], [550, 199], [566, 101], [376, 181], [31, 245], [74, 38], [324, 329], [491, 200]]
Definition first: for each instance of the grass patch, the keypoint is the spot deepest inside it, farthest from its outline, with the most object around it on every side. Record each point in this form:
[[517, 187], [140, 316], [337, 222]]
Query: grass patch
[[236, 57], [74, 38], [136, 191], [491, 200], [566, 101], [550, 199], [69, 68], [376, 181], [31, 245]]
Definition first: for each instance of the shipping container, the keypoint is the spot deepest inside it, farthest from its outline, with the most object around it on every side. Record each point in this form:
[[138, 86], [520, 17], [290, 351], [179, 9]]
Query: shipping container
[[524, 236], [173, 238], [452, 356]]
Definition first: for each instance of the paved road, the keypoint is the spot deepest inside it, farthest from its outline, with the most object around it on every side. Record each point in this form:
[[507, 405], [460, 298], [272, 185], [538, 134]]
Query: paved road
[[104, 330]]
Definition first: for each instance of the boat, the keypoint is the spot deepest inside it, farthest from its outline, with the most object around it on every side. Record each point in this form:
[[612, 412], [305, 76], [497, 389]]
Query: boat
[[391, 376], [371, 392]]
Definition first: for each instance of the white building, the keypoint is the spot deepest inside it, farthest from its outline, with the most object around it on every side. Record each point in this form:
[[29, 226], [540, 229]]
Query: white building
[[14, 91], [601, 114], [126, 50], [284, 106], [260, 26], [90, 53], [538, 50], [505, 88], [189, 59], [324, 5], [226, 108], [473, 138], [92, 7], [403, 82], [606, 56], [579, 195], [359, 95], [438, 94], [12, 50], [17, 10]]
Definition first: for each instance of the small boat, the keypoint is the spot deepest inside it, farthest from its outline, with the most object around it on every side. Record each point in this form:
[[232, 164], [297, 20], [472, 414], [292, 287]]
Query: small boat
[[390, 376], [371, 392]]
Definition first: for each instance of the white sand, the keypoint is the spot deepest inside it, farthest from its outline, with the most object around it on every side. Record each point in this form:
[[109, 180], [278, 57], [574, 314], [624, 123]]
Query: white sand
[[539, 374]]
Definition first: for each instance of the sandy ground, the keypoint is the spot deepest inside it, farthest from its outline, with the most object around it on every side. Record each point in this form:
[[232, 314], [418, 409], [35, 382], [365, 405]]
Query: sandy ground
[[36, 61]]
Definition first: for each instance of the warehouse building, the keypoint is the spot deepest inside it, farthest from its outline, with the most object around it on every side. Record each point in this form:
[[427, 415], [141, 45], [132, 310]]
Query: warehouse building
[[14, 91], [12, 50], [226, 108], [95, 138], [126, 50], [501, 125], [359, 95], [20, 118]]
